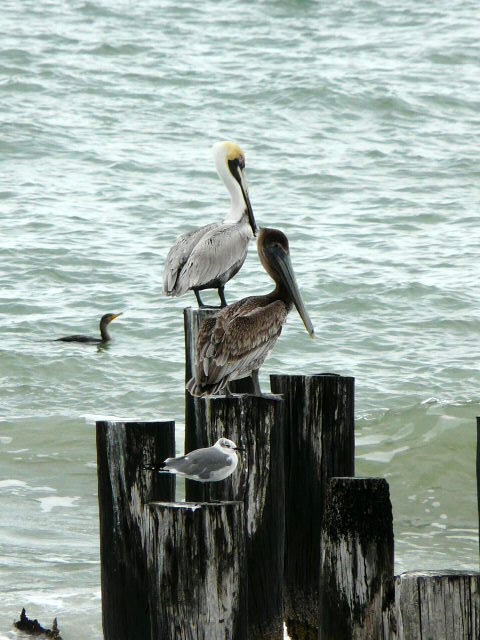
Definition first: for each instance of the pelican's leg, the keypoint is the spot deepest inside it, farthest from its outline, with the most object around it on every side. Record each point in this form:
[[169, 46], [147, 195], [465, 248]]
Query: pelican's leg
[[199, 300], [256, 384], [223, 302]]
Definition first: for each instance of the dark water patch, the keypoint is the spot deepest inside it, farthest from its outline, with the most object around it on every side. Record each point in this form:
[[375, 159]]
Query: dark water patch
[[98, 10], [106, 49]]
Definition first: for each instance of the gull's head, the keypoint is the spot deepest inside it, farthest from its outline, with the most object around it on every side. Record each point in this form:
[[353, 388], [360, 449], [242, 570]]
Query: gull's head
[[230, 165], [225, 443]]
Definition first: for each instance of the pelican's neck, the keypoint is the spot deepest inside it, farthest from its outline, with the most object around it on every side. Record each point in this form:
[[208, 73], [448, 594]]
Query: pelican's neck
[[238, 207]]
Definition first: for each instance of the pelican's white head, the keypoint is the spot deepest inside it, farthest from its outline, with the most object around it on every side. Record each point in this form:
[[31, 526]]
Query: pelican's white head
[[230, 165]]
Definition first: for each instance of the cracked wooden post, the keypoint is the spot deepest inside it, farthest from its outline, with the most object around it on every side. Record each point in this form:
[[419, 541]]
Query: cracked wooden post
[[124, 488], [319, 444], [194, 435], [197, 571], [478, 478], [356, 570], [255, 424], [437, 604]]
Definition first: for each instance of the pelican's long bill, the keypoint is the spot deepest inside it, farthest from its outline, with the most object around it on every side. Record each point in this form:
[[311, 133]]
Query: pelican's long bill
[[237, 169], [281, 259], [244, 188]]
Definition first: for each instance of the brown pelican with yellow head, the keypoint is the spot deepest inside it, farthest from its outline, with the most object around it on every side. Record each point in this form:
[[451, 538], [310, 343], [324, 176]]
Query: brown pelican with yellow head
[[234, 342], [209, 257]]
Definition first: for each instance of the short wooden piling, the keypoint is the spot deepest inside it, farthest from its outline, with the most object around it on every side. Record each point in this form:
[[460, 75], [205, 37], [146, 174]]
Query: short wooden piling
[[319, 444], [197, 571], [255, 424], [356, 570], [124, 488], [437, 604]]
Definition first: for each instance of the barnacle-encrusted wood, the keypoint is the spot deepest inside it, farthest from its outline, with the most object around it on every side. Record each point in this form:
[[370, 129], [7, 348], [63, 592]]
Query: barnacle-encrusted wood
[[356, 568]]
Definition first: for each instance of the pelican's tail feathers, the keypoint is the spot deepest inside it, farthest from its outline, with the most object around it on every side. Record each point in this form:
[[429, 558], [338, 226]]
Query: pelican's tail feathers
[[201, 390]]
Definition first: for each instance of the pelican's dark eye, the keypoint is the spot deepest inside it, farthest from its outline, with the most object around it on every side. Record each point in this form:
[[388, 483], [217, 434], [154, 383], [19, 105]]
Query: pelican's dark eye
[[241, 162]]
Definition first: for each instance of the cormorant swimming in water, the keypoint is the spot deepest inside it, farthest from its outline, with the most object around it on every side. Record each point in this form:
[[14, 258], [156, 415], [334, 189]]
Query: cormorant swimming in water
[[104, 322]]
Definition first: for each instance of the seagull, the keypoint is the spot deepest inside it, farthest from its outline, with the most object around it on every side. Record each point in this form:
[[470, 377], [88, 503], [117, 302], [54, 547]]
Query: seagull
[[204, 465], [208, 257], [235, 341]]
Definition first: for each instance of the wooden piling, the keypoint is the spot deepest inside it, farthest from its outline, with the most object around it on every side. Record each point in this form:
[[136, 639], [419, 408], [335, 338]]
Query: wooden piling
[[194, 436], [437, 604], [197, 571], [356, 570], [319, 444], [478, 479], [124, 488], [255, 424]]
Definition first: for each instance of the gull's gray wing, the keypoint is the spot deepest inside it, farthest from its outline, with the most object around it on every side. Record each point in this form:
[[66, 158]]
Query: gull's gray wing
[[201, 463], [178, 256], [220, 251]]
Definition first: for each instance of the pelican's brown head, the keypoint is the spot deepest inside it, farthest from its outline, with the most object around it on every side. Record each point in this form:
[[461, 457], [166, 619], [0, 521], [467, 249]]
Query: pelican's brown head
[[230, 164], [274, 253]]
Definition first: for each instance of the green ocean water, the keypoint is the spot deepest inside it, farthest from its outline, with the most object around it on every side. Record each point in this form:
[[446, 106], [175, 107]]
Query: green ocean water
[[360, 122]]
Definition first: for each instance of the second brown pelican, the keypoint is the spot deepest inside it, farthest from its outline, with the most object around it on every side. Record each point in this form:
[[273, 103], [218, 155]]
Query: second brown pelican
[[207, 258], [234, 342]]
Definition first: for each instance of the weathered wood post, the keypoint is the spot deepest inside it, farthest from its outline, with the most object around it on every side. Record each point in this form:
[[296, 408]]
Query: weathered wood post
[[124, 488], [319, 444], [356, 571], [255, 424], [478, 478], [437, 604], [194, 432], [197, 571]]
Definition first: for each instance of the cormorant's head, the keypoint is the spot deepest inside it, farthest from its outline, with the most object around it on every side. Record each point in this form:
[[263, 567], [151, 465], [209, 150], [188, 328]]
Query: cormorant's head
[[107, 318]]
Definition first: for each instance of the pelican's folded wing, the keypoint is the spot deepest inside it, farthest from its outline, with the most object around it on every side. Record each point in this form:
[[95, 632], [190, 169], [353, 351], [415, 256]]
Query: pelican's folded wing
[[221, 250], [239, 342], [178, 256]]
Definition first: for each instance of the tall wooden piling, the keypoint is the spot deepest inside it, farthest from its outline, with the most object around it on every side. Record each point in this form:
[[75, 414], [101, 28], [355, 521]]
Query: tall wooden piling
[[256, 425], [197, 571], [124, 488], [192, 319], [356, 570], [319, 444], [478, 479], [437, 604]]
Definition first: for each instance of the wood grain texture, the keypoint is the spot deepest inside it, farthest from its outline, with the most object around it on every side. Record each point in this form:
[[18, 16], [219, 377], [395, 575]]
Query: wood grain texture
[[197, 571], [437, 605], [255, 424], [124, 488], [478, 479], [356, 574], [319, 444]]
